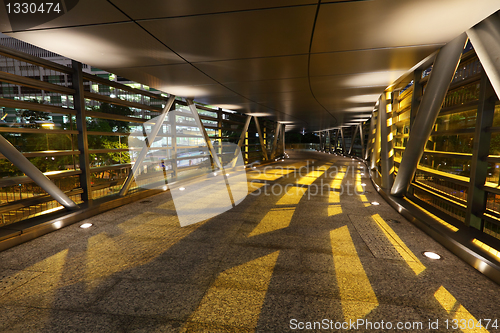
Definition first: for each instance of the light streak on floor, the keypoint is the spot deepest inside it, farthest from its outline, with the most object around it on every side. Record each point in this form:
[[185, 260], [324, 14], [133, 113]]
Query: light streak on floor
[[399, 245], [357, 295]]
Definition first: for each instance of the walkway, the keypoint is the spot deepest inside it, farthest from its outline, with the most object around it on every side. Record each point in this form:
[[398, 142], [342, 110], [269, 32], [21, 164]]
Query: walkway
[[271, 264]]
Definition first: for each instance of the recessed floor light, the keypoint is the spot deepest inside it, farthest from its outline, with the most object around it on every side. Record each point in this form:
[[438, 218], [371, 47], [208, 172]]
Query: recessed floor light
[[227, 175], [362, 174], [254, 167], [86, 225], [165, 188], [182, 188], [374, 203], [363, 184], [431, 255], [215, 174]]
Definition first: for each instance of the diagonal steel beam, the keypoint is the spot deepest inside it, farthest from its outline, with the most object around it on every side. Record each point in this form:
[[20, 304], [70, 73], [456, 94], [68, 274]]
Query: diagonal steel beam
[[240, 141], [485, 37], [261, 139], [13, 155], [352, 139], [275, 141], [361, 135], [444, 69], [210, 146], [144, 151]]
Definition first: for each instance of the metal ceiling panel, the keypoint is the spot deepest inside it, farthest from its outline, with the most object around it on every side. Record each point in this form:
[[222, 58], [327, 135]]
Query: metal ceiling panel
[[256, 69], [328, 85], [362, 25], [103, 46], [269, 86], [379, 60], [252, 34], [173, 8], [180, 79]]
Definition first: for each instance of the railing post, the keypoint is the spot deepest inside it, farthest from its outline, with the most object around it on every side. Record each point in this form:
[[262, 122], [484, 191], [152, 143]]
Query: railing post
[[353, 138], [81, 126], [477, 196]]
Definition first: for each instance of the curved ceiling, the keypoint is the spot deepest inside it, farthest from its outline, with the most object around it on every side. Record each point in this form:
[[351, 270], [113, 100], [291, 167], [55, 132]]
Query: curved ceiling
[[315, 64]]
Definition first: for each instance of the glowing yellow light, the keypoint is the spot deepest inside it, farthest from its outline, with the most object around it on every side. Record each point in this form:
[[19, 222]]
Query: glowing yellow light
[[487, 248], [357, 296], [454, 308], [399, 245], [275, 219], [292, 196], [238, 292], [446, 224], [334, 210]]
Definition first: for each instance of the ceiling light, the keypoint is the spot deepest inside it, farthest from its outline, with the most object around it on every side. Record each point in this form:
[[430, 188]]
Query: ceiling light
[[431, 255], [86, 225], [215, 174]]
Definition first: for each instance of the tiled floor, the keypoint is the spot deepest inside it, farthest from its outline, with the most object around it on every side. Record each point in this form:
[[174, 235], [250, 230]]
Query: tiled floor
[[273, 263]]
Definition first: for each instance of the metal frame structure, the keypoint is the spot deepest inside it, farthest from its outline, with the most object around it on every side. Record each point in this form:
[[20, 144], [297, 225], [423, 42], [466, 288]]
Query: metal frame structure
[[91, 176]]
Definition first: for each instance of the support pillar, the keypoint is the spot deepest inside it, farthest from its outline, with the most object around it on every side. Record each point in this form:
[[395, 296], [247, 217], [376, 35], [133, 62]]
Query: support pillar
[[353, 138], [261, 139], [240, 141], [362, 136], [440, 78], [371, 136], [343, 141], [485, 37], [275, 141], [376, 142], [81, 126]]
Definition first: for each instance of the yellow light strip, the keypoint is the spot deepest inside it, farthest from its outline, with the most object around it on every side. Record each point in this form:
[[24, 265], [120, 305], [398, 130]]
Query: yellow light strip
[[238, 292], [488, 248], [357, 296], [445, 174], [399, 245], [292, 196], [275, 219], [443, 222], [337, 181], [458, 312]]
